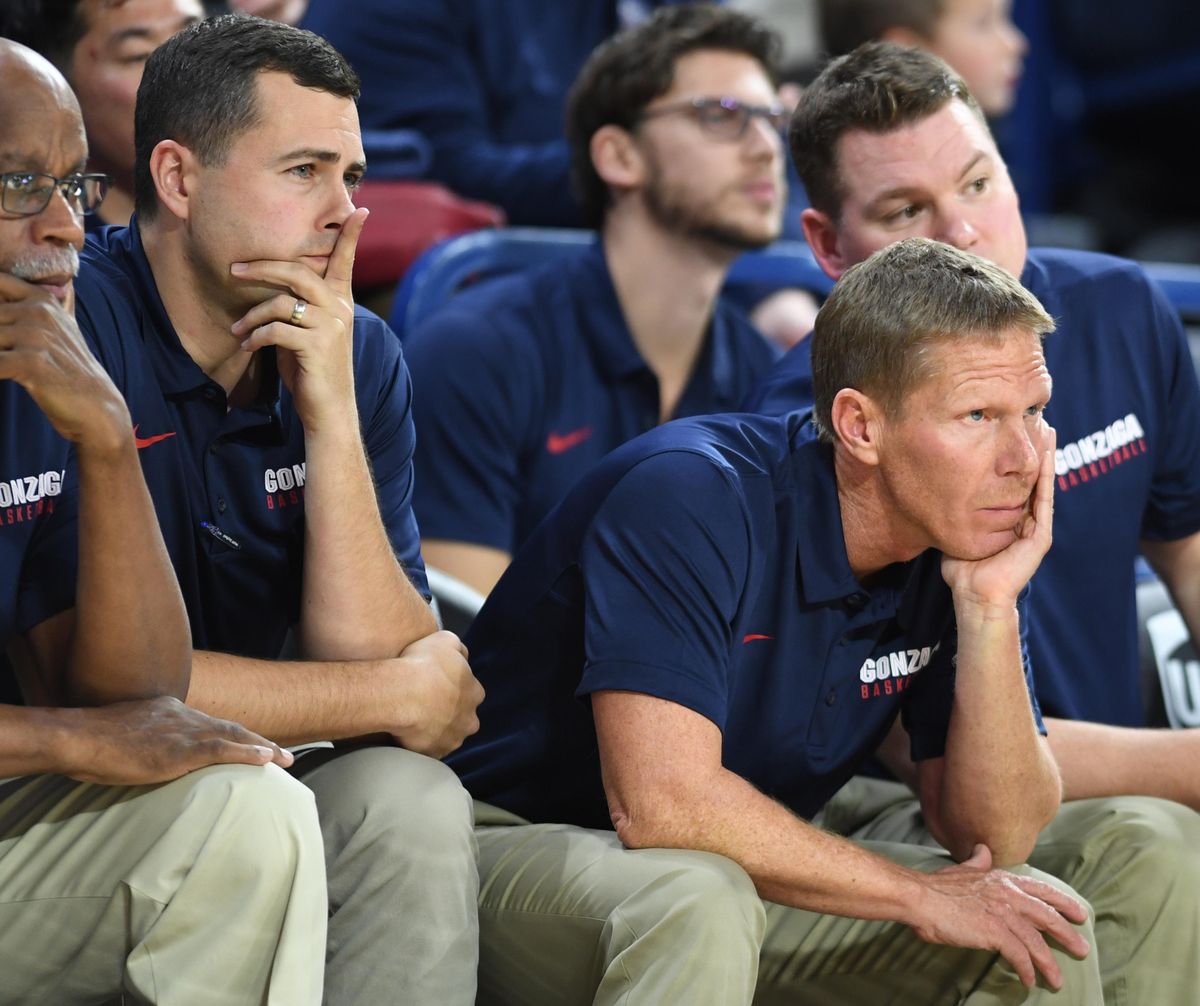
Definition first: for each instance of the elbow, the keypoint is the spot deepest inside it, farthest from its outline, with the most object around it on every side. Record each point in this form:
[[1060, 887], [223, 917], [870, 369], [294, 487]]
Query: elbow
[[1013, 849], [649, 821], [636, 831], [1011, 835], [163, 669]]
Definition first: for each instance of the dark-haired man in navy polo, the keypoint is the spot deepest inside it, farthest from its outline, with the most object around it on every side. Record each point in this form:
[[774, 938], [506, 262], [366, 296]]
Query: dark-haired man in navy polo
[[714, 629], [131, 859], [273, 420], [891, 144], [523, 385]]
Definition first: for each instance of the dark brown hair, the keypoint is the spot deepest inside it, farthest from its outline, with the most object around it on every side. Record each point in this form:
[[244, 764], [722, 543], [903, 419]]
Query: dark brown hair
[[877, 88], [199, 87], [627, 72]]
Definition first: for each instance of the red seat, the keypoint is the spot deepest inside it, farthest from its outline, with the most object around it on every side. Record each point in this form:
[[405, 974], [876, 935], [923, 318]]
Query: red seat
[[406, 218]]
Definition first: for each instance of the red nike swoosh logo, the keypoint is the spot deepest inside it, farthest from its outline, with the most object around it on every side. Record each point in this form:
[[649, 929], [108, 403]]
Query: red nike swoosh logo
[[147, 441], [556, 443], [751, 636]]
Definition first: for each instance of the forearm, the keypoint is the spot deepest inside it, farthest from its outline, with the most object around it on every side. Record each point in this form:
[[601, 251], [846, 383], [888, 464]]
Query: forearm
[[358, 604], [1178, 564], [292, 702], [1097, 760], [790, 861], [999, 785], [131, 637], [32, 740]]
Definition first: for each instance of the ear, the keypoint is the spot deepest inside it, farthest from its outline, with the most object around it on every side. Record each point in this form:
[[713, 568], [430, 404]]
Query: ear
[[172, 166], [856, 425], [821, 233], [617, 159], [904, 36]]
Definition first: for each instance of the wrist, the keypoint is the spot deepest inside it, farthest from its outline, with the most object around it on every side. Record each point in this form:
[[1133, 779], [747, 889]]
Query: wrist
[[107, 434], [335, 424], [911, 905], [975, 610], [60, 729], [392, 710]]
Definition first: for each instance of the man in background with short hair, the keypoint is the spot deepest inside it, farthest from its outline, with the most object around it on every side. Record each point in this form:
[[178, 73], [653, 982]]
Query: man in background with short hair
[[100, 46], [523, 385]]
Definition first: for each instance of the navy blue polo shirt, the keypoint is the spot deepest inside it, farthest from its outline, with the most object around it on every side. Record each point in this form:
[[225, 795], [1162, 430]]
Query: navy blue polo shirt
[[705, 563], [524, 383], [228, 484], [1126, 407], [38, 517]]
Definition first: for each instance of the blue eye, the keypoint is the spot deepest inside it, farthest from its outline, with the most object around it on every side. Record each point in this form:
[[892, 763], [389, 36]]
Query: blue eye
[[976, 415]]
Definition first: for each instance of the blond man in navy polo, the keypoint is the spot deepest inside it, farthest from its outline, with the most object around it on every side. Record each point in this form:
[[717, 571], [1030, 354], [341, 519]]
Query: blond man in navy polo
[[890, 143], [712, 632]]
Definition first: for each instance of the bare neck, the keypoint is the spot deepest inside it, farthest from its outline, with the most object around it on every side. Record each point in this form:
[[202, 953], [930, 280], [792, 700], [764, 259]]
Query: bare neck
[[195, 303], [667, 286], [875, 534]]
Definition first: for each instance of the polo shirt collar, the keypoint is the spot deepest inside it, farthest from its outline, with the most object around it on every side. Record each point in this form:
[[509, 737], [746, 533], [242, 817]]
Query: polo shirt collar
[[824, 567], [608, 335]]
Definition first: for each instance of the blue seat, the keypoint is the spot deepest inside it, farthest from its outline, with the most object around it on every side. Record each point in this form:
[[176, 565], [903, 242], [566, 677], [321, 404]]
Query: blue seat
[[1181, 284], [448, 267]]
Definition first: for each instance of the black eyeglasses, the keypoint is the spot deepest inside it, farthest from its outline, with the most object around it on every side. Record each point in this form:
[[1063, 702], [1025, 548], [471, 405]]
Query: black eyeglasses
[[724, 118], [26, 193]]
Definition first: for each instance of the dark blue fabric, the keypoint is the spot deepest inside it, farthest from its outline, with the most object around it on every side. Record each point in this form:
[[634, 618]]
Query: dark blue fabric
[[704, 563], [38, 516], [1119, 352], [228, 485], [485, 82], [524, 383]]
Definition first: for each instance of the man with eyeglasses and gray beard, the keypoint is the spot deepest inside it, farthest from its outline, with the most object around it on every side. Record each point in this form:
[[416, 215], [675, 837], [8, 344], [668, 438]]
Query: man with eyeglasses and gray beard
[[145, 848]]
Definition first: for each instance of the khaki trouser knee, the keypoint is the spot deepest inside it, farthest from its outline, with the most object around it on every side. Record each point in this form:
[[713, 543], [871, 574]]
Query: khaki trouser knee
[[570, 917], [205, 891], [403, 883]]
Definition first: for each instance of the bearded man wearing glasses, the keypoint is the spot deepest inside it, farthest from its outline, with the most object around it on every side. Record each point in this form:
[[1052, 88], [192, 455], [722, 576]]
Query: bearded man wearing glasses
[[677, 156]]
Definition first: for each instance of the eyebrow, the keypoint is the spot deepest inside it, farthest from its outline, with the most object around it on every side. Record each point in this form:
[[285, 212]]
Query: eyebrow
[[16, 160], [324, 156], [909, 191], [138, 32]]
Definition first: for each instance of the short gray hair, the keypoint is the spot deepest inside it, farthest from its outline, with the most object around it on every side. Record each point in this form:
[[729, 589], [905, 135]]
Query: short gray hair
[[875, 331]]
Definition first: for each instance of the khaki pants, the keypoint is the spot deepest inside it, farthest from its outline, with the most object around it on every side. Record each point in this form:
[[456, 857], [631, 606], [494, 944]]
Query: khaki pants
[[400, 855], [569, 917], [205, 891], [1135, 859]]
